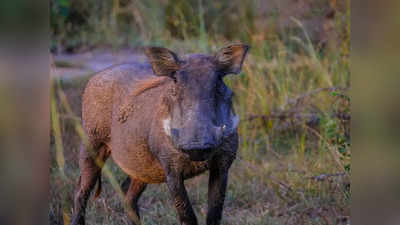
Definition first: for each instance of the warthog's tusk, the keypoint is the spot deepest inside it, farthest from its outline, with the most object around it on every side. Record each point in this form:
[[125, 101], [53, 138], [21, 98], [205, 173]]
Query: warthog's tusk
[[235, 122]]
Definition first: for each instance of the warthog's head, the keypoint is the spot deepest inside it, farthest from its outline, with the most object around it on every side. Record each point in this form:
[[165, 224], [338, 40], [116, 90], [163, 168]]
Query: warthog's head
[[200, 104]]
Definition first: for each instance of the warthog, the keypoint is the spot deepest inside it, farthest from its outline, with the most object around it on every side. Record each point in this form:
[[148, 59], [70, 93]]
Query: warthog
[[163, 121]]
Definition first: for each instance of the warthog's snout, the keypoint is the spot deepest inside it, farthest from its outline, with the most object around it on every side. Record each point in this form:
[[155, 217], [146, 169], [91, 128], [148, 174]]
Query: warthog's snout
[[200, 143], [198, 146], [201, 150]]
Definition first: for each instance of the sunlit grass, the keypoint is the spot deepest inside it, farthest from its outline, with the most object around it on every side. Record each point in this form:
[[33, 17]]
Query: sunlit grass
[[272, 179], [289, 170]]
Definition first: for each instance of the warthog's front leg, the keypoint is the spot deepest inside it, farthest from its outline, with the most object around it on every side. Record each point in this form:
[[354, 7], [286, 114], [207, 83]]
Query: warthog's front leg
[[178, 192], [218, 180]]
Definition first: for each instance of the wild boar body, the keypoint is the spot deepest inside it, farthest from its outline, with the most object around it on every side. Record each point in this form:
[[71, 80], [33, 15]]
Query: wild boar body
[[163, 121], [129, 141]]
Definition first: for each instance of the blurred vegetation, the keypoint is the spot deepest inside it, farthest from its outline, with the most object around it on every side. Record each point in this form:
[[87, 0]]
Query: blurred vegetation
[[79, 24], [292, 97]]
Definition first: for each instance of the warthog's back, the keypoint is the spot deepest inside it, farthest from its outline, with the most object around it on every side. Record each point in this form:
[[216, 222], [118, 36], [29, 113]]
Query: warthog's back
[[101, 93]]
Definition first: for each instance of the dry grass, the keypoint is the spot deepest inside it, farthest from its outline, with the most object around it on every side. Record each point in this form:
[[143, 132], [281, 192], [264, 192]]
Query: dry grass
[[294, 158], [287, 172]]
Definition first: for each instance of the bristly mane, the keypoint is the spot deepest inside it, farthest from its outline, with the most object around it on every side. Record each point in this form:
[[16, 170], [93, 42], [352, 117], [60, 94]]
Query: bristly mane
[[127, 107]]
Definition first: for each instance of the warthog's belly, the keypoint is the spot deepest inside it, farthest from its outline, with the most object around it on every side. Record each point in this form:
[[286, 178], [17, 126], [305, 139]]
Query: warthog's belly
[[140, 164]]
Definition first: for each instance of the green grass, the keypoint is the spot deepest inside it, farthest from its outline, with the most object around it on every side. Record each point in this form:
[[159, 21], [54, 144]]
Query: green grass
[[270, 182], [289, 132]]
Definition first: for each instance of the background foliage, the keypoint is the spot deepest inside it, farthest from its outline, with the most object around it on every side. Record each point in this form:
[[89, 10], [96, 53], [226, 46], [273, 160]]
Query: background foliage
[[77, 23]]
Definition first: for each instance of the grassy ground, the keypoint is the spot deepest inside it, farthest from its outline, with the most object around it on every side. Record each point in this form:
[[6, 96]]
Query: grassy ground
[[294, 160], [293, 165]]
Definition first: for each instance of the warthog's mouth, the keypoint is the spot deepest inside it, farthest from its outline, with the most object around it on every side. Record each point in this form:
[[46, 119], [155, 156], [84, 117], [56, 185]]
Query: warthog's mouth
[[199, 154]]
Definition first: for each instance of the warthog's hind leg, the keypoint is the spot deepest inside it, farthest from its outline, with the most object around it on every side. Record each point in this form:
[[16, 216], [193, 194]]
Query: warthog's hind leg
[[90, 164], [133, 194]]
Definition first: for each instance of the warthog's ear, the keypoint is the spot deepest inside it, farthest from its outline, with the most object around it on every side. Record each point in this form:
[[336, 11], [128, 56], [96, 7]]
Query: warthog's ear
[[230, 59], [163, 61]]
